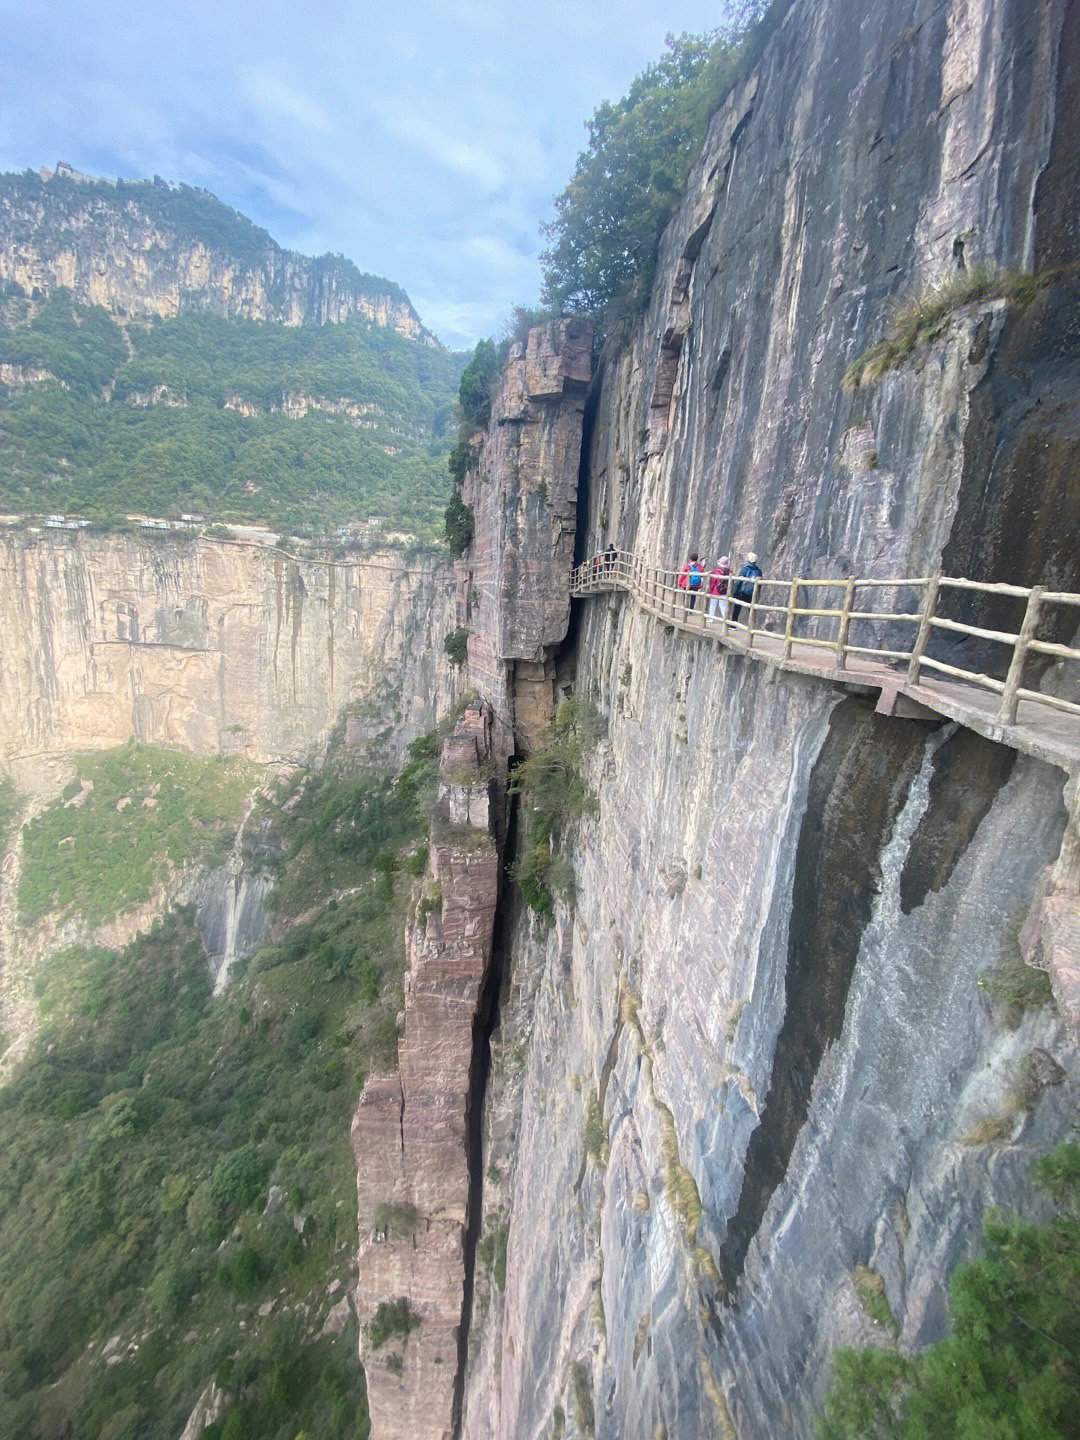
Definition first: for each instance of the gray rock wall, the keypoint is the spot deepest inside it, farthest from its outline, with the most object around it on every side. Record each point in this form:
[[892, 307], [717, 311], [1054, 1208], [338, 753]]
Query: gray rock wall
[[768, 986]]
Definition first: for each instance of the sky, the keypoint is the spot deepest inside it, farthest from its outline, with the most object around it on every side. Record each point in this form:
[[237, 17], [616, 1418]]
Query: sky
[[425, 141]]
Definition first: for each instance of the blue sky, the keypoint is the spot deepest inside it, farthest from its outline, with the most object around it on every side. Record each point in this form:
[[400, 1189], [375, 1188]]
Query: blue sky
[[425, 141]]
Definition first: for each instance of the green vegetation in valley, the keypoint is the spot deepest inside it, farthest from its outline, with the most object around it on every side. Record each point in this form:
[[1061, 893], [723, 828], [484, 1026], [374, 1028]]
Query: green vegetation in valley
[[9, 808], [1010, 1366], [97, 851], [554, 796], [633, 172], [302, 427], [175, 1163]]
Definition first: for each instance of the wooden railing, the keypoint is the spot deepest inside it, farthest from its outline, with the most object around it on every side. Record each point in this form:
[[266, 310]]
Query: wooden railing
[[895, 621]]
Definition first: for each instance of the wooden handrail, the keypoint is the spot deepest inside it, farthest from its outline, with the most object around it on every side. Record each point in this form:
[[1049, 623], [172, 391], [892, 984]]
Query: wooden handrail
[[657, 591], [1010, 696]]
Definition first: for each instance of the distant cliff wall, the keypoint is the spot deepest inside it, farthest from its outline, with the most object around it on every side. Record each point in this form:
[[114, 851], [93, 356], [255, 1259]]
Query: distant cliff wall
[[121, 248], [755, 1054], [217, 646]]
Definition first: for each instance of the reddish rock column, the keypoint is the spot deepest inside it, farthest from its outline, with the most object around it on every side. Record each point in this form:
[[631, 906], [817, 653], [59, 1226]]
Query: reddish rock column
[[410, 1132]]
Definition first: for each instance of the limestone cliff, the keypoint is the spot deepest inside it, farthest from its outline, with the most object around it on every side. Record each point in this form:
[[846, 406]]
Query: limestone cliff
[[218, 646], [755, 1053], [143, 249]]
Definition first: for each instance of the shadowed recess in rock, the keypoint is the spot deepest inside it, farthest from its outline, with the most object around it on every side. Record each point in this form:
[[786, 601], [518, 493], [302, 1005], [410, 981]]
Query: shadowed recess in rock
[[1025, 421], [858, 786], [968, 772]]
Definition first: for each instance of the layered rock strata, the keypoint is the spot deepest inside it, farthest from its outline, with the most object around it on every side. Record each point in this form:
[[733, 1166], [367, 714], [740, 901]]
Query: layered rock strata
[[144, 250], [411, 1132], [762, 1049], [212, 645], [522, 488]]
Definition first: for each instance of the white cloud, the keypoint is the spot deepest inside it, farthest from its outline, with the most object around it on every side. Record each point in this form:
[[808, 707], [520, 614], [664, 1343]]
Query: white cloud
[[275, 99], [425, 141]]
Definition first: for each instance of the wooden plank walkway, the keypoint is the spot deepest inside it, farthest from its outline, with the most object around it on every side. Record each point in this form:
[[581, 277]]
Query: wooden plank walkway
[[908, 682], [1045, 727]]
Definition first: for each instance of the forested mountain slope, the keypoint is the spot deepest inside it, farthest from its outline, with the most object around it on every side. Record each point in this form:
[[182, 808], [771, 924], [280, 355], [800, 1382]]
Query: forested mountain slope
[[159, 354]]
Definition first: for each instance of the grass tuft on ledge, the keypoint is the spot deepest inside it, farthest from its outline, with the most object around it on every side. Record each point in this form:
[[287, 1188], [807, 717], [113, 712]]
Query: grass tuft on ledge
[[917, 320]]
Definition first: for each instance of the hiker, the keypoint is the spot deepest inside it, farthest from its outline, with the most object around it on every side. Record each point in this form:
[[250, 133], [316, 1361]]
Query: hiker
[[690, 578], [718, 587], [743, 589], [610, 557]]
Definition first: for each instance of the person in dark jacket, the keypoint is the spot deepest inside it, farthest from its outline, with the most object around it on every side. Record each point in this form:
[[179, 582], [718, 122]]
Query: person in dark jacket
[[742, 590]]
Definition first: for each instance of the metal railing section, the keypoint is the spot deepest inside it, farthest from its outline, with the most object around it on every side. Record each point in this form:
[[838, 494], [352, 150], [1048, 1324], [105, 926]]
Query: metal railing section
[[822, 614]]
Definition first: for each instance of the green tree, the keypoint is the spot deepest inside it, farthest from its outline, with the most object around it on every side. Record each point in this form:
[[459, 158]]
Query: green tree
[[632, 173], [477, 380], [459, 526], [1010, 1369]]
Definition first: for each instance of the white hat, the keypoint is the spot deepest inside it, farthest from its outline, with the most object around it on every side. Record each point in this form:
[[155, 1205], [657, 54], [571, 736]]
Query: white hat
[[724, 560], [751, 558]]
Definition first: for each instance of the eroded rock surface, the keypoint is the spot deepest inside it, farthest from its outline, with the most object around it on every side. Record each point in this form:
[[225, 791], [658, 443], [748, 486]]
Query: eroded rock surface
[[216, 646], [523, 489], [411, 1131], [756, 1054]]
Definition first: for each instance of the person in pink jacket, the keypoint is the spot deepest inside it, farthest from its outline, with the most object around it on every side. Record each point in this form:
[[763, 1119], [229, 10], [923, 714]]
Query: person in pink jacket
[[718, 587]]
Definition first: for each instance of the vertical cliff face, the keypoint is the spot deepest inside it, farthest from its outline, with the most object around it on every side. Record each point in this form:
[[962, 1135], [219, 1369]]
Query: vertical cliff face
[[212, 645], [411, 1131], [755, 1053], [416, 1132], [523, 488]]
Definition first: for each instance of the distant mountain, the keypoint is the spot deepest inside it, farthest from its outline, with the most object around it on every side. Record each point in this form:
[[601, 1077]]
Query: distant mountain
[[159, 353], [151, 248]]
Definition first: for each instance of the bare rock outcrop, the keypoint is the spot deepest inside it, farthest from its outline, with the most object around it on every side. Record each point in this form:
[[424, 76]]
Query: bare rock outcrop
[[142, 249], [411, 1129], [218, 646], [523, 488]]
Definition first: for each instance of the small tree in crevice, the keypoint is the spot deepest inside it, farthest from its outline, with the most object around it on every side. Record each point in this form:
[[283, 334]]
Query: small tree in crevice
[[555, 795], [392, 1317], [456, 645], [459, 526]]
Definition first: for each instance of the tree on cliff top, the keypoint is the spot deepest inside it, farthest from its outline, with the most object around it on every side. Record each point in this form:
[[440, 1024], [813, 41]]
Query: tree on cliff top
[[631, 175]]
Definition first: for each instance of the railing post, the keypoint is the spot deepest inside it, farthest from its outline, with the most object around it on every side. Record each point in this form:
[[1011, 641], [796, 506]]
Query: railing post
[[750, 617], [933, 585], [789, 627], [845, 623], [1010, 698]]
